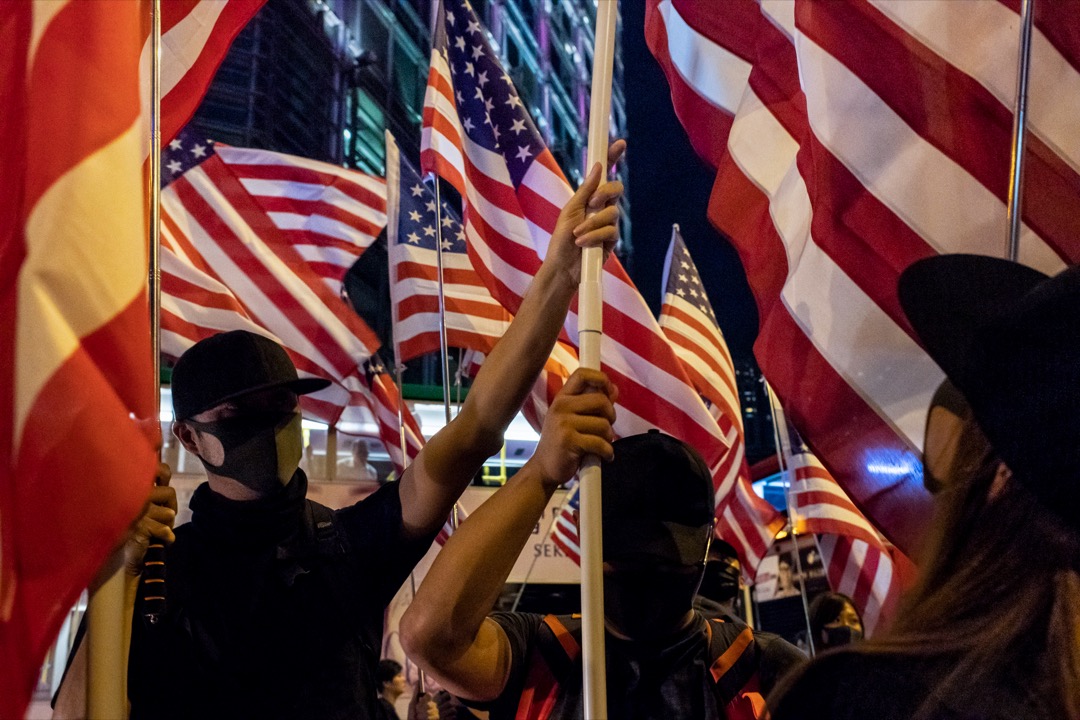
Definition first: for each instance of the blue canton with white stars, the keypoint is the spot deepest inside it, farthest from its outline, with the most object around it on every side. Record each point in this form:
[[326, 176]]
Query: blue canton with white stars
[[683, 280], [187, 150], [492, 114], [417, 221]]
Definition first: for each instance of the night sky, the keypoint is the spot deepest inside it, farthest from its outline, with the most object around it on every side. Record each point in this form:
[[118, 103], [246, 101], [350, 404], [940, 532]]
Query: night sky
[[668, 183]]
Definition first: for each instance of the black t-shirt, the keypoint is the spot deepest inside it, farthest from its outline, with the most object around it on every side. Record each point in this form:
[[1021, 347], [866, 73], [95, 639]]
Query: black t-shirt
[[852, 685], [270, 615], [386, 710], [644, 681]]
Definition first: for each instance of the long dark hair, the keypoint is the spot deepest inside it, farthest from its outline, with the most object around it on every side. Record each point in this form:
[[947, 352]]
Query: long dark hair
[[998, 589]]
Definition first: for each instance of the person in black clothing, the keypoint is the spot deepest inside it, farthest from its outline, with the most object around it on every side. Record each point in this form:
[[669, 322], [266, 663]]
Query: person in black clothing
[[716, 599], [275, 604], [991, 629], [834, 621], [657, 522], [391, 684]]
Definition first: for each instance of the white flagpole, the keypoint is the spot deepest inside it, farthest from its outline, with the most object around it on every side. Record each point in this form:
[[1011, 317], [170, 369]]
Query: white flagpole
[[108, 630], [590, 328], [1016, 164]]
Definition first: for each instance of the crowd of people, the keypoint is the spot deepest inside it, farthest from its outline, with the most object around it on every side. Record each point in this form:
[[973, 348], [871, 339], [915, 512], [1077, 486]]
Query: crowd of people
[[276, 604]]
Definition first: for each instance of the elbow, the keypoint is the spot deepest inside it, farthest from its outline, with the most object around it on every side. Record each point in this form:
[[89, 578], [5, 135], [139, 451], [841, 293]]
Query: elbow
[[425, 637], [480, 436]]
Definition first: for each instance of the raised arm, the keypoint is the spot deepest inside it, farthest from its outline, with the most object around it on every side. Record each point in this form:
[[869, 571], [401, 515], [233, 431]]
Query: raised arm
[[446, 630], [446, 465]]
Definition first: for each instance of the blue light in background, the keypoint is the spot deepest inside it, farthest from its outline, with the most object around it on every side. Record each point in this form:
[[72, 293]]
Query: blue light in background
[[891, 465]]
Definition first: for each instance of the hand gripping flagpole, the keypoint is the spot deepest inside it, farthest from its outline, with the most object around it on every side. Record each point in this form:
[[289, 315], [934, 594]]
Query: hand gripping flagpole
[[1016, 164], [590, 328]]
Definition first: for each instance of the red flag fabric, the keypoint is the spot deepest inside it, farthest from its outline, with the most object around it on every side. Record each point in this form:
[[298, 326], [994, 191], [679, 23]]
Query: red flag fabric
[[688, 321], [851, 139], [565, 533], [238, 251], [857, 560], [383, 398], [195, 35], [75, 363], [478, 135]]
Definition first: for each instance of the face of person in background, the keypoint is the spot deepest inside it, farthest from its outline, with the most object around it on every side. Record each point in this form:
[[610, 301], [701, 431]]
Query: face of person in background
[[393, 690], [943, 430], [845, 629]]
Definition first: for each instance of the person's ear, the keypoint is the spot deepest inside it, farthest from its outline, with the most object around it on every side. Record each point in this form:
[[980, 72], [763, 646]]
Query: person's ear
[[186, 435]]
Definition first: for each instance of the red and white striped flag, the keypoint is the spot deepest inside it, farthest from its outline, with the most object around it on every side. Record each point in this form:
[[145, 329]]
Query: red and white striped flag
[[195, 35], [239, 250], [76, 366], [857, 560], [383, 399], [688, 321], [474, 319], [565, 533], [851, 139], [478, 135]]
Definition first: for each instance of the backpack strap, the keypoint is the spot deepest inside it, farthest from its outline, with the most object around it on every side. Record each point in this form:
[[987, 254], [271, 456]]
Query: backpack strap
[[735, 659], [552, 658]]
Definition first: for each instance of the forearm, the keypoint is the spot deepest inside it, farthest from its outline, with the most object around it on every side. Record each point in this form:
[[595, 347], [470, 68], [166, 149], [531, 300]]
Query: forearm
[[454, 455], [468, 575], [509, 371]]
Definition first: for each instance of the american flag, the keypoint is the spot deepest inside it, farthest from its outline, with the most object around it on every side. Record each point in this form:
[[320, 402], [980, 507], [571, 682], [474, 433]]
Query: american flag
[[474, 319], [384, 401], [478, 135], [228, 263], [195, 35], [851, 139], [858, 562], [688, 321], [564, 531], [75, 363]]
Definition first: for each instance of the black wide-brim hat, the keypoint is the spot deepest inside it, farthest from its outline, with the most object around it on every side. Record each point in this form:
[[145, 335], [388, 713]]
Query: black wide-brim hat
[[1008, 337], [227, 365]]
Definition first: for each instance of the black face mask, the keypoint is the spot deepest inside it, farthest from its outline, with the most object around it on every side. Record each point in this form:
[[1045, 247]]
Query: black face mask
[[840, 635], [262, 450], [648, 604]]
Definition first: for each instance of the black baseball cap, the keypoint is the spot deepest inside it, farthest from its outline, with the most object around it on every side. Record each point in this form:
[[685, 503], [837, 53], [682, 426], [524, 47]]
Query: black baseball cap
[[1008, 337], [658, 501], [231, 364]]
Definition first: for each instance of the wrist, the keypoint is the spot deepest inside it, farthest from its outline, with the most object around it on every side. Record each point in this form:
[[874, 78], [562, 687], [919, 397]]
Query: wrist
[[556, 279], [534, 472]]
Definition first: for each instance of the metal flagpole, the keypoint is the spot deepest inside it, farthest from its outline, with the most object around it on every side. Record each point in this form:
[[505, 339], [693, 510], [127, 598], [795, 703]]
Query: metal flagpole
[[442, 301], [590, 329], [107, 627], [783, 454], [443, 347], [393, 208], [1016, 164]]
